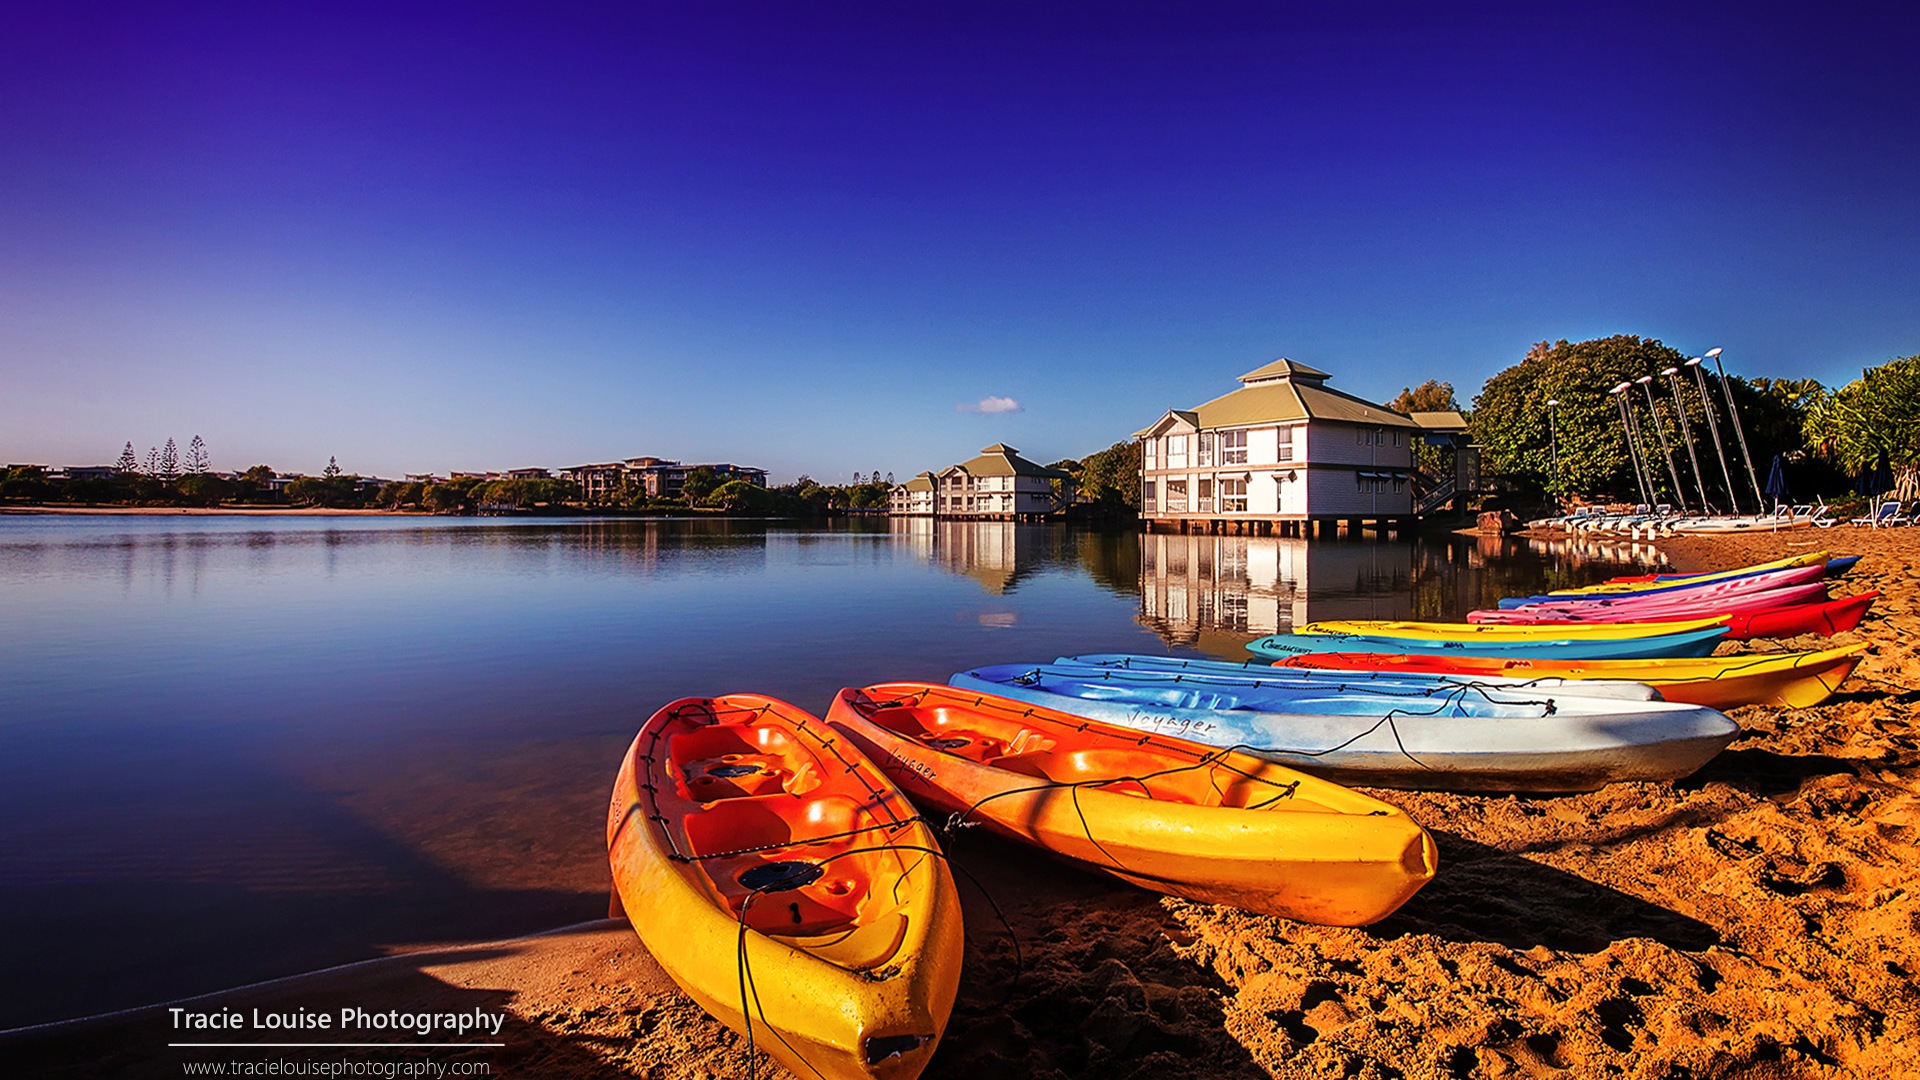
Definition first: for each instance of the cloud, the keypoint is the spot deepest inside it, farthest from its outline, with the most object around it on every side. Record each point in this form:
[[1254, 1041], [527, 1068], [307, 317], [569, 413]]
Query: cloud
[[992, 405]]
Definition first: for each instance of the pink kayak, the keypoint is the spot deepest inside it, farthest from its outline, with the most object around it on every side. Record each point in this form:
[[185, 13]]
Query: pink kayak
[[1715, 590], [1818, 616], [1650, 610]]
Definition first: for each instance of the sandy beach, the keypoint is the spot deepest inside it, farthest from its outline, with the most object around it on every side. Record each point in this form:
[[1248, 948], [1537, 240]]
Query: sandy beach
[[1759, 919]]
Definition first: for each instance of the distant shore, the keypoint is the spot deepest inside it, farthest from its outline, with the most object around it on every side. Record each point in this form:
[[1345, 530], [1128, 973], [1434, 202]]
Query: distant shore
[[204, 511]]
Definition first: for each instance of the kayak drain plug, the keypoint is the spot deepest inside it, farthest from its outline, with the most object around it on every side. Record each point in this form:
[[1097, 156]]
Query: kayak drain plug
[[781, 876]]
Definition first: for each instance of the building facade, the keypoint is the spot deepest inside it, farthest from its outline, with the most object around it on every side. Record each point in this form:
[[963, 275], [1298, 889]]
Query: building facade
[[1282, 453], [999, 484], [655, 478]]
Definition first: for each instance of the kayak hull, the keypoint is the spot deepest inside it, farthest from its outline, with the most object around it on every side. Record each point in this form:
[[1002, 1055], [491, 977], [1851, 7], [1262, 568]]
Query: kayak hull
[[1691, 643], [759, 862], [1792, 680], [1163, 813], [1463, 740]]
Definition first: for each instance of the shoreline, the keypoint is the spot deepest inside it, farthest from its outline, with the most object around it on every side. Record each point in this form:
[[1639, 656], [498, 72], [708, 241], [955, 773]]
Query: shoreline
[[1754, 919]]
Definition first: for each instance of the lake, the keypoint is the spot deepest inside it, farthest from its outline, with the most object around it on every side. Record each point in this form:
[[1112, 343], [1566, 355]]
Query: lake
[[233, 748]]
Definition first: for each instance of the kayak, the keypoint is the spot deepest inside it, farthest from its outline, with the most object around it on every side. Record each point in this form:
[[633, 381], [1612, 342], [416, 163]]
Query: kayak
[[1653, 608], [1465, 738], [761, 859], [1835, 567], [1220, 827], [1763, 581], [1465, 632], [1686, 643], [1794, 680], [1750, 619], [1791, 562], [1397, 682]]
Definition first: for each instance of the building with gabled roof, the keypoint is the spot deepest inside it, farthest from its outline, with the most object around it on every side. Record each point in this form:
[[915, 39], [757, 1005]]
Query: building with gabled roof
[[1283, 450], [998, 484]]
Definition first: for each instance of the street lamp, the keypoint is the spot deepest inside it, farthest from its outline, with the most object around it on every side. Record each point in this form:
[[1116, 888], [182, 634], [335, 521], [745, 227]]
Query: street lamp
[[1713, 428], [1633, 447], [1553, 442], [1679, 496], [1759, 499], [1686, 435]]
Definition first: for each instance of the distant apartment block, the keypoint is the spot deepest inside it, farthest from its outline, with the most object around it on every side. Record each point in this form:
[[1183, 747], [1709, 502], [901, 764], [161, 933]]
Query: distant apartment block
[[655, 478], [998, 485], [1282, 453]]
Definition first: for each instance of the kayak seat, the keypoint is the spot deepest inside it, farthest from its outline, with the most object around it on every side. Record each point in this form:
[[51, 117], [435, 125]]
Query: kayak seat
[[729, 761], [762, 844]]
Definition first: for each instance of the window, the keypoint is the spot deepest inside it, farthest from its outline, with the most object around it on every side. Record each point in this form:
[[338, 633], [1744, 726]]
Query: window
[[1206, 496], [1146, 495], [1151, 451], [1360, 436], [1396, 438], [1176, 454], [1233, 496], [1286, 445], [1176, 496], [1233, 448]]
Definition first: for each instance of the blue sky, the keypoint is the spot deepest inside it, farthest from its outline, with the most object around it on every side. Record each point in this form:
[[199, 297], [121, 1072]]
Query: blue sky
[[817, 238]]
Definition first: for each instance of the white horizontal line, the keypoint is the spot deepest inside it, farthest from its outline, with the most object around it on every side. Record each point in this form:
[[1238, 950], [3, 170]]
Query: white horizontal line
[[285, 1046]]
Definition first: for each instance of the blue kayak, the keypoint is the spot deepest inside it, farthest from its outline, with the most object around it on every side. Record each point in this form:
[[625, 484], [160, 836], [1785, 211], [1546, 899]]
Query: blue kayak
[[1398, 682], [1469, 738], [1688, 643]]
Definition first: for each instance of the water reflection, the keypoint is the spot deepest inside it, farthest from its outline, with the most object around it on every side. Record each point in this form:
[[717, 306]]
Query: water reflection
[[1217, 592]]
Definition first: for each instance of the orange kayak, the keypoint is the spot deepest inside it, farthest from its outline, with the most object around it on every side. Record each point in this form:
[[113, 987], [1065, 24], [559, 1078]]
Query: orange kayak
[[1219, 826], [787, 886]]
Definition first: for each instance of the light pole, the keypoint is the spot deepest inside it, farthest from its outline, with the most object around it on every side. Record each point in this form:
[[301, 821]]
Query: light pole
[[1686, 435], [1633, 447], [1553, 442], [1679, 496], [1759, 499], [1713, 428]]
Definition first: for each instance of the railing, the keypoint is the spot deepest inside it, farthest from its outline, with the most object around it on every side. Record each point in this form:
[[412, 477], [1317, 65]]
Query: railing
[[1432, 500]]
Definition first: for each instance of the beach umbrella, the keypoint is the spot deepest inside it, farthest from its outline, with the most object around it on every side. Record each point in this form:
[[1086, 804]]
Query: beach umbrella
[[1777, 481], [1876, 480]]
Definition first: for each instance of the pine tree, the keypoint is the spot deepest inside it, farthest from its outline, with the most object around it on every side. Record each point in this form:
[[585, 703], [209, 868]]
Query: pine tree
[[197, 460], [170, 462], [128, 462], [153, 461], [333, 467]]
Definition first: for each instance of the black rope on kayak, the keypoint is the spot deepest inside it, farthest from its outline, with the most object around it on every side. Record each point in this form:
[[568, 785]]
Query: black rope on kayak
[[750, 990]]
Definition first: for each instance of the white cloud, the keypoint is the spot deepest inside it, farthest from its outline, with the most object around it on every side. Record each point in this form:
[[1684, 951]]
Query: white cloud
[[992, 405]]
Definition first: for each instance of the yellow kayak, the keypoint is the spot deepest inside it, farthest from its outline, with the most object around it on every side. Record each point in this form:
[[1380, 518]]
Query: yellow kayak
[[1447, 631], [787, 885], [1794, 680], [1618, 587]]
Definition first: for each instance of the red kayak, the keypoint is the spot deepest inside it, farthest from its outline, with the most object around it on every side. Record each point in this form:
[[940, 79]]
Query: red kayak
[[1827, 617]]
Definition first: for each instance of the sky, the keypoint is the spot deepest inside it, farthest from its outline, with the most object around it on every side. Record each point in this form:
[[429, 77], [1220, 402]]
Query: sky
[[838, 237]]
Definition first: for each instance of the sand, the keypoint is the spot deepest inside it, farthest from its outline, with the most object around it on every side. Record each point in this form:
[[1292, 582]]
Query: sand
[[1759, 919]]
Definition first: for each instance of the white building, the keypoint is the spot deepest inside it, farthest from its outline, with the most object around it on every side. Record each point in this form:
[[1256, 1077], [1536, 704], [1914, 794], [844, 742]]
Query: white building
[[997, 485], [1283, 449]]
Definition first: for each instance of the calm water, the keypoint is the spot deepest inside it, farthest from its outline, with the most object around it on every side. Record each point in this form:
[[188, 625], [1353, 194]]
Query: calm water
[[232, 749]]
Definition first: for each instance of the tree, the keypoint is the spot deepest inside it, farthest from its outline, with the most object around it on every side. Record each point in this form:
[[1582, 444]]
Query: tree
[[197, 460], [701, 482], [153, 461], [1111, 477], [1517, 430], [1429, 396], [127, 463], [170, 462], [333, 468]]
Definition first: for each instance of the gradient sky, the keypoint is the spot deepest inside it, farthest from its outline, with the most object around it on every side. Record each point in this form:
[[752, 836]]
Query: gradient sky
[[826, 237]]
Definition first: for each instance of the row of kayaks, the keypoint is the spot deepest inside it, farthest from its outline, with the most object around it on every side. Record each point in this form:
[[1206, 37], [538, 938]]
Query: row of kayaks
[[785, 870]]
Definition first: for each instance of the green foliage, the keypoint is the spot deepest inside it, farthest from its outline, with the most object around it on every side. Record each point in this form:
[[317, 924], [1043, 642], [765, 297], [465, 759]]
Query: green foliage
[[1111, 477], [205, 489], [1430, 396], [1517, 431], [1878, 413], [337, 491], [700, 483]]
